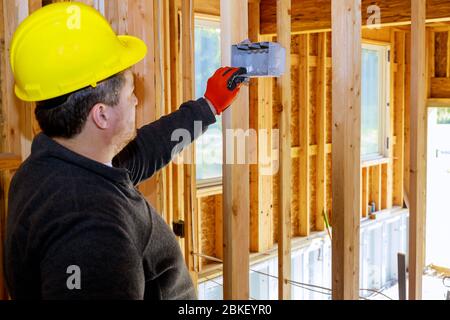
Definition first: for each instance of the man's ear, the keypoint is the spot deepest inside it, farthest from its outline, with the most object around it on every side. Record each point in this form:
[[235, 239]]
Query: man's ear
[[100, 116]]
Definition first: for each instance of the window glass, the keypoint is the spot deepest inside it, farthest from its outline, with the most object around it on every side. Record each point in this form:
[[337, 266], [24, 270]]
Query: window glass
[[371, 104], [207, 61]]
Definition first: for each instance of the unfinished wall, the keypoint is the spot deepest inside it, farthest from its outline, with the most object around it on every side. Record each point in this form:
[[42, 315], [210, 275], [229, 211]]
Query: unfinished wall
[[382, 181]]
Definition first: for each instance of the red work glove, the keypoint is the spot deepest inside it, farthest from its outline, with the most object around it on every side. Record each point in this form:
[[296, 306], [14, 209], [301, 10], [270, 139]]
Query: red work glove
[[218, 92]]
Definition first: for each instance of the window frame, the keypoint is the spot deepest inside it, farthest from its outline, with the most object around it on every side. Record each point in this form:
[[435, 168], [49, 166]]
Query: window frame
[[207, 20], [384, 51]]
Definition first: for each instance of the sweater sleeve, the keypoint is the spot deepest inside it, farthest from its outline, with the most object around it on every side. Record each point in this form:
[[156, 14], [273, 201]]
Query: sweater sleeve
[[93, 261], [159, 142]]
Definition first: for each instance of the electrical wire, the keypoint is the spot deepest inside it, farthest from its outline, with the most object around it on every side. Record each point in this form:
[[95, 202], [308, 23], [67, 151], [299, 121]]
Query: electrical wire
[[292, 281], [207, 257], [377, 293], [309, 289], [305, 285], [300, 284]]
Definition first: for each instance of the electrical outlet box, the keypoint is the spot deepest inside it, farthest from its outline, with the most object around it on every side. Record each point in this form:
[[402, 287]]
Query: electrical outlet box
[[262, 59], [178, 228]]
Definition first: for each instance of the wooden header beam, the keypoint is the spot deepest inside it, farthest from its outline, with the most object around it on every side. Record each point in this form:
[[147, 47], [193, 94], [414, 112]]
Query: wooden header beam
[[418, 118], [346, 38], [236, 177]]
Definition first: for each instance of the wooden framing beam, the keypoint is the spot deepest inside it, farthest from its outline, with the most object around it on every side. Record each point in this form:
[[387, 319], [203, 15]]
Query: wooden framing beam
[[418, 120], [261, 121], [375, 193], [448, 54], [256, 236], [399, 118], [346, 43], [440, 103], [160, 177], [16, 133], [9, 161], [219, 227], [365, 192], [388, 169], [386, 190], [440, 88], [431, 45], [407, 130], [175, 94], [321, 125], [284, 94], [190, 181], [304, 126], [167, 186], [236, 189]]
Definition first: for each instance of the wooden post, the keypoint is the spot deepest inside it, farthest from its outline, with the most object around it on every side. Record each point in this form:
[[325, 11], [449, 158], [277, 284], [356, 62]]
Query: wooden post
[[388, 169], [346, 39], [168, 179], [175, 94], [236, 190], [284, 94], [256, 216], [190, 182], [407, 129], [261, 121], [418, 120], [399, 119], [321, 125], [160, 177], [304, 161], [15, 134]]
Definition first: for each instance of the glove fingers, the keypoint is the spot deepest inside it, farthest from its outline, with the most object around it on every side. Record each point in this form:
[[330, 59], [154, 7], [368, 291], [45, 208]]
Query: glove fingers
[[239, 71], [219, 71], [228, 70]]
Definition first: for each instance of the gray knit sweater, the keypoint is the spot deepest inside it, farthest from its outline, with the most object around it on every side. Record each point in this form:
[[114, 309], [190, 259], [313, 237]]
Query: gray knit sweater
[[78, 229]]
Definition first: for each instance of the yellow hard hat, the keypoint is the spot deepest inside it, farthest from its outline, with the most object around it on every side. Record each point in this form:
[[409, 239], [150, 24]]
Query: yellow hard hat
[[67, 46]]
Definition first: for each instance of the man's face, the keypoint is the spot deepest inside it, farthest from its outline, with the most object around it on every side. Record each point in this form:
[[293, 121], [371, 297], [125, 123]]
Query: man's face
[[124, 128]]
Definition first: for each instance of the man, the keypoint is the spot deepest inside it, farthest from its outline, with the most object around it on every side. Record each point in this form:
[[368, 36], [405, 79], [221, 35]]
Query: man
[[77, 227]]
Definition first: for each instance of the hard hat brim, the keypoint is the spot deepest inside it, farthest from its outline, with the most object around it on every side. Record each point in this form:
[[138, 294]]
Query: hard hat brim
[[134, 50], [137, 50]]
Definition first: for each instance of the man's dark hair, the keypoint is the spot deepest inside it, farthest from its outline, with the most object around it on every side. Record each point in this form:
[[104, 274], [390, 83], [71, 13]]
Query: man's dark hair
[[65, 116]]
